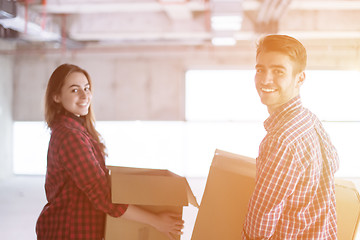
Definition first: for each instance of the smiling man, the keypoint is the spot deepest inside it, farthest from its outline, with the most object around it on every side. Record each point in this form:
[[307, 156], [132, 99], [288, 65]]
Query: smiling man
[[294, 196]]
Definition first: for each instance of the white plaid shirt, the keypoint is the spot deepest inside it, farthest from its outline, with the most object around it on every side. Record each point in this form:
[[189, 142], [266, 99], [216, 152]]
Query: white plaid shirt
[[294, 196]]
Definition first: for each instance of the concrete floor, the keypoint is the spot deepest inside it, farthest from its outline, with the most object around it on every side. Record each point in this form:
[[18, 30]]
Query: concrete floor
[[21, 200], [23, 197]]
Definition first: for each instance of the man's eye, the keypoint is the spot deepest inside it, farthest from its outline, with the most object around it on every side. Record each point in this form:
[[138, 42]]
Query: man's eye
[[279, 72], [74, 90], [259, 70]]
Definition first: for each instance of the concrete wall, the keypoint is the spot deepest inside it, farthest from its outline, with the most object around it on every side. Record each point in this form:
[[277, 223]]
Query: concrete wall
[[130, 83], [6, 89], [127, 85], [144, 83]]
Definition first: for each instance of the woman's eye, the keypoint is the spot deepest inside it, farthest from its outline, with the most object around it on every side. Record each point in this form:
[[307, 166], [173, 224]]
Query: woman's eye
[[259, 70], [87, 89], [74, 90]]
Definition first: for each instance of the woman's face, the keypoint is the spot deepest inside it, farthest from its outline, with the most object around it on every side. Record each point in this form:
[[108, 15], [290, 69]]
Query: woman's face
[[75, 95]]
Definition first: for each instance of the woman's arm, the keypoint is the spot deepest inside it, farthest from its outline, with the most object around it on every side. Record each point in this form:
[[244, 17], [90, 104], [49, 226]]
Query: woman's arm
[[168, 223]]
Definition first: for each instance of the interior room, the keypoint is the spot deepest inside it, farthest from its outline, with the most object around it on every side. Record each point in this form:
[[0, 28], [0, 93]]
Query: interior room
[[173, 81]]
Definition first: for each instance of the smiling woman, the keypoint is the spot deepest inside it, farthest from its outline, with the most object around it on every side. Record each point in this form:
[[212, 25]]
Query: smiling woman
[[77, 181], [75, 95]]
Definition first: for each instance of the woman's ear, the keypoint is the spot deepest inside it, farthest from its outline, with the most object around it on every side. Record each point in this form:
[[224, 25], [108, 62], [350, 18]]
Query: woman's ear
[[56, 98]]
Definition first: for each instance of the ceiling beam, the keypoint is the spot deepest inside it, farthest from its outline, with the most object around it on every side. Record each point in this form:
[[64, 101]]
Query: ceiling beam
[[253, 5], [128, 7]]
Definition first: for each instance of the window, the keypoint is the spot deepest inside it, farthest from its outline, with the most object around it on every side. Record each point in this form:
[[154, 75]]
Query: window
[[222, 111]]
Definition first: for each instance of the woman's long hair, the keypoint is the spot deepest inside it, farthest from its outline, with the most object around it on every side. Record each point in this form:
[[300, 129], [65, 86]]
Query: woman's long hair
[[53, 109]]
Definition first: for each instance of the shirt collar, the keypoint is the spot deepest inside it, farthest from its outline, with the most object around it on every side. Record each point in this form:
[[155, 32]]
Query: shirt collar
[[69, 120], [80, 119], [281, 112]]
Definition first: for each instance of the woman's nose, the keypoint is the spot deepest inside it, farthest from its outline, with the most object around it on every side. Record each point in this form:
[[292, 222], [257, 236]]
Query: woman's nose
[[82, 94]]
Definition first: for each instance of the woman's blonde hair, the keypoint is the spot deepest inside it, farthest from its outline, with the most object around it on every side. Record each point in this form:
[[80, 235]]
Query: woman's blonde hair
[[53, 109]]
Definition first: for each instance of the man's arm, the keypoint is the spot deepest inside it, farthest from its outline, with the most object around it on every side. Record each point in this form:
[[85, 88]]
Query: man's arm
[[277, 176]]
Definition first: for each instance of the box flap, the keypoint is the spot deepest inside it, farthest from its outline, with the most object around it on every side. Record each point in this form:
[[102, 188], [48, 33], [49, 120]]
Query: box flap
[[142, 186], [140, 171], [223, 207], [191, 197], [234, 163]]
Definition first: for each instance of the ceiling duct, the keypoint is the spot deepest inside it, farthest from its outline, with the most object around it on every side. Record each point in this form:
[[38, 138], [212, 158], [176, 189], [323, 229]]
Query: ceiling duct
[[226, 20], [269, 15], [8, 33], [28, 24], [7, 9]]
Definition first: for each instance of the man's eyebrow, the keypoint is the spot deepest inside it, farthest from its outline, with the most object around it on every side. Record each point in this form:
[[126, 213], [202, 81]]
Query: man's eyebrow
[[271, 66], [277, 66]]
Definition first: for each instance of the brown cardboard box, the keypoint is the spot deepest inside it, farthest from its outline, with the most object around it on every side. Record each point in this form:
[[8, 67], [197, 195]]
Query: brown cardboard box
[[229, 186], [347, 209], [152, 189], [223, 207]]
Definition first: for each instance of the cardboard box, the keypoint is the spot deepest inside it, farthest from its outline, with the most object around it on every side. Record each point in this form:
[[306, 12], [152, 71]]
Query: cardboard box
[[229, 186], [223, 207], [347, 209], [151, 189]]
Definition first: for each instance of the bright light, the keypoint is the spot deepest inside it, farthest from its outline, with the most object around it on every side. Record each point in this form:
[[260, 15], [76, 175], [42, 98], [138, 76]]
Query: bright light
[[223, 111], [226, 23], [222, 95], [332, 95], [223, 41]]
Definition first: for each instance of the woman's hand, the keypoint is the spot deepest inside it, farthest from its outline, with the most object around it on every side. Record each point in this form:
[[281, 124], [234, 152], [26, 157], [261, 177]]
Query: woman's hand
[[169, 223]]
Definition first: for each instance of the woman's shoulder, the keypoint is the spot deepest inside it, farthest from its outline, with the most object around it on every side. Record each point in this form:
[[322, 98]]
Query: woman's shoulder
[[66, 127]]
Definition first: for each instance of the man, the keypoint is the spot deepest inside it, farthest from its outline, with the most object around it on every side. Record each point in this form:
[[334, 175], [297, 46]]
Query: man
[[294, 196]]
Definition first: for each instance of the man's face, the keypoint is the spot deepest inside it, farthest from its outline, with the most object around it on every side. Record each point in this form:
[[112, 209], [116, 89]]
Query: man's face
[[275, 80]]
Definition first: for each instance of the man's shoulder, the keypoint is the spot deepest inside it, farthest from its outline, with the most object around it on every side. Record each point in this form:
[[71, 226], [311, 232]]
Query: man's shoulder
[[294, 125]]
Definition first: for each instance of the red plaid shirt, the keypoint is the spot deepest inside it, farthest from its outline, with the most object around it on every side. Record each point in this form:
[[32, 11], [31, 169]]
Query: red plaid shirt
[[77, 186], [294, 196]]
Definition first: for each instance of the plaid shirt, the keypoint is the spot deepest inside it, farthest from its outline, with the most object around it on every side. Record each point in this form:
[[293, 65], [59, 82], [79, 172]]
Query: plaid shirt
[[77, 186], [294, 196]]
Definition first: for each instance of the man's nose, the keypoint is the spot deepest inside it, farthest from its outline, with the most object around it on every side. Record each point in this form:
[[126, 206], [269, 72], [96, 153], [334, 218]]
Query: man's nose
[[267, 78]]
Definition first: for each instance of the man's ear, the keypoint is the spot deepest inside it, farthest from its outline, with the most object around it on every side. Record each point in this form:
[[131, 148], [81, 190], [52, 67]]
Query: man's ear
[[301, 79], [56, 98]]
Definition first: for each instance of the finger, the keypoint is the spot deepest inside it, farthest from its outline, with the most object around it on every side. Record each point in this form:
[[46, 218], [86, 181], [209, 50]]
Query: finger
[[178, 227], [177, 233], [175, 215], [179, 222], [171, 237], [177, 230]]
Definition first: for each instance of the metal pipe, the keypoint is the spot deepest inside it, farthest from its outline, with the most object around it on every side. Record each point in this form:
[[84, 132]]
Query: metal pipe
[[281, 9]]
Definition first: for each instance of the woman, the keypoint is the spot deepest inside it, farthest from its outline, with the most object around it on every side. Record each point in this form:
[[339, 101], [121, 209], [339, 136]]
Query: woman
[[77, 186]]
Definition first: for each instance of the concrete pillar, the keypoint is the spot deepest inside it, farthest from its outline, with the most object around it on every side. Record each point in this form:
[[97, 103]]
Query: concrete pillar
[[6, 122]]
